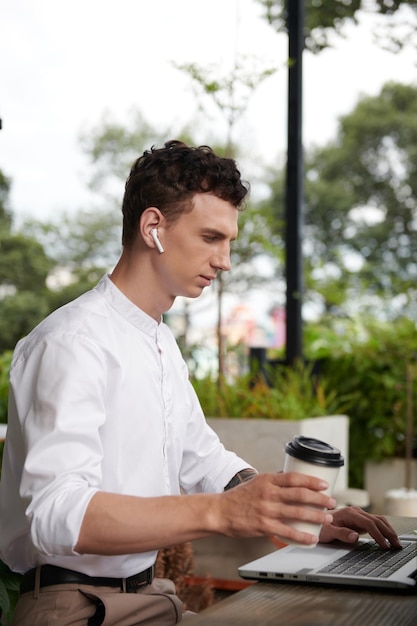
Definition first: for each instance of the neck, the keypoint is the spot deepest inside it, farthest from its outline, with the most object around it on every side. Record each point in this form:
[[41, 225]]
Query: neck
[[135, 276]]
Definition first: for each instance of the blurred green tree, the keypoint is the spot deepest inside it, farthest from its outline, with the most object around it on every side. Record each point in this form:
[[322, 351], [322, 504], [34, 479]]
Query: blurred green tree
[[24, 268], [323, 20], [360, 233]]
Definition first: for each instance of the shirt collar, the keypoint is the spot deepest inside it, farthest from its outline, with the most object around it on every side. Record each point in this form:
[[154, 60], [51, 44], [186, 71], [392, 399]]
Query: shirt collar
[[132, 313]]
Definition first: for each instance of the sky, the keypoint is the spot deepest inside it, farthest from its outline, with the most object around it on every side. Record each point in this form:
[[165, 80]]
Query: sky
[[63, 65]]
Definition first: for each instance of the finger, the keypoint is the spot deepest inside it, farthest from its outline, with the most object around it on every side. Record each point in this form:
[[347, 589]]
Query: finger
[[294, 479], [389, 532], [305, 497], [303, 513], [338, 533], [289, 534], [384, 534], [306, 532], [377, 526]]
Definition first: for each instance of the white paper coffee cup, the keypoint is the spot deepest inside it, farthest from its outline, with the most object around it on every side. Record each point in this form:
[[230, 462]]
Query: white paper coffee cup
[[306, 455]]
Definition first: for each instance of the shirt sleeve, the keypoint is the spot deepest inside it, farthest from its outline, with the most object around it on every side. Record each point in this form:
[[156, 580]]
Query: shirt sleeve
[[59, 395], [207, 465]]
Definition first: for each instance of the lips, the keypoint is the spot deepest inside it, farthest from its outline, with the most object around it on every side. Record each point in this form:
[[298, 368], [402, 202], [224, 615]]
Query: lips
[[207, 279]]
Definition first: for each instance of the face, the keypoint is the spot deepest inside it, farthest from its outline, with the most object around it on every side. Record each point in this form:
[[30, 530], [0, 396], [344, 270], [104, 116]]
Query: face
[[197, 246]]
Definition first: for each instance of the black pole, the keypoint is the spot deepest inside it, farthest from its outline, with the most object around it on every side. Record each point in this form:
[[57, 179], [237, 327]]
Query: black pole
[[294, 183]]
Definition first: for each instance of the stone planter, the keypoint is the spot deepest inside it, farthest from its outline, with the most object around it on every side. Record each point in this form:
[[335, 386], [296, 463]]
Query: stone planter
[[261, 442], [401, 502], [383, 477]]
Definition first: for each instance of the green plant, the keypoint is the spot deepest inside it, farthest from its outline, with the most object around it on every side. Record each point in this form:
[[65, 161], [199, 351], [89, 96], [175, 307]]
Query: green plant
[[5, 362], [9, 591], [292, 393], [9, 581], [371, 377]]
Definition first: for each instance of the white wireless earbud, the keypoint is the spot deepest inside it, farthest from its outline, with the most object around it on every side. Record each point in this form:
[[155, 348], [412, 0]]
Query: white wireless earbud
[[154, 235]]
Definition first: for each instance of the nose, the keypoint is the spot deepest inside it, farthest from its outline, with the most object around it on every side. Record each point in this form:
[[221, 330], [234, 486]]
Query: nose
[[222, 260]]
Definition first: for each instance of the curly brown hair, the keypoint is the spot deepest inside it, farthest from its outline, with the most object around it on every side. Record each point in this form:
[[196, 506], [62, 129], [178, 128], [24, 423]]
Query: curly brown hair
[[169, 177]]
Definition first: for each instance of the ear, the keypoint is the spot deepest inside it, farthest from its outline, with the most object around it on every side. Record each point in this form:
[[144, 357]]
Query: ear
[[150, 218]]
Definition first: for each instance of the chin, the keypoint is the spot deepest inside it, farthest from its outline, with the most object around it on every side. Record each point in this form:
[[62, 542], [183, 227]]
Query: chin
[[192, 293]]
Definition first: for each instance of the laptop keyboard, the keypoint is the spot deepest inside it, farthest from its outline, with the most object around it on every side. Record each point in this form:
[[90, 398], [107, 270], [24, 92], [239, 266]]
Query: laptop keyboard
[[371, 560]]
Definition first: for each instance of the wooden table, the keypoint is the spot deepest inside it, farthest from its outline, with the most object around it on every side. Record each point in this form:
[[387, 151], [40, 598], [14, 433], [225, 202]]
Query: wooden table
[[274, 604]]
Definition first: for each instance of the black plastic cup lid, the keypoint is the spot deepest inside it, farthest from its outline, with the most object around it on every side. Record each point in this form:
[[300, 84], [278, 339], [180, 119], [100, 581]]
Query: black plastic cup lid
[[314, 451]]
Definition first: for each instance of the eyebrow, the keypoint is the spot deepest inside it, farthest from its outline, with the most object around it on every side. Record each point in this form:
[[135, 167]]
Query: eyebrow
[[217, 233]]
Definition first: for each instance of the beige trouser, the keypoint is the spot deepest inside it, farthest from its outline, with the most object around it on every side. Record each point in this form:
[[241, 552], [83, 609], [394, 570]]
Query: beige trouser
[[84, 605]]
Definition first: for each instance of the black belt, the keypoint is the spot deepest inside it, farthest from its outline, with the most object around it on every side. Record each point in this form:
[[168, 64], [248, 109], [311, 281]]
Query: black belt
[[52, 575]]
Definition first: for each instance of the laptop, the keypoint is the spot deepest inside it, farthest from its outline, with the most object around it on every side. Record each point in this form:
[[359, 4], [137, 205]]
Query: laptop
[[365, 564]]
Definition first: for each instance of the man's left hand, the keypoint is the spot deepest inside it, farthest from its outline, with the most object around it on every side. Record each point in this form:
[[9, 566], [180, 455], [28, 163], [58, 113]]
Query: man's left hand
[[348, 523]]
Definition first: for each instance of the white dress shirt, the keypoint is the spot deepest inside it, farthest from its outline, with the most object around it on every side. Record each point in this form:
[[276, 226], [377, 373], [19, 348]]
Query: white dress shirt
[[99, 401]]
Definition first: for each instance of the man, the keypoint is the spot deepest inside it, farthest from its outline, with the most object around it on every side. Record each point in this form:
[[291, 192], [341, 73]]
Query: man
[[108, 456]]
